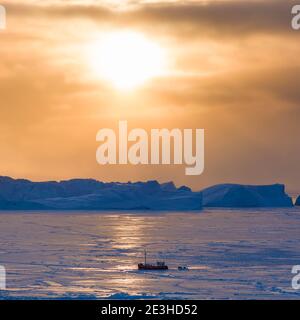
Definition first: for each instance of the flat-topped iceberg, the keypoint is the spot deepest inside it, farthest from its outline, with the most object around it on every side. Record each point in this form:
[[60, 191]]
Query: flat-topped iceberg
[[236, 195], [89, 194]]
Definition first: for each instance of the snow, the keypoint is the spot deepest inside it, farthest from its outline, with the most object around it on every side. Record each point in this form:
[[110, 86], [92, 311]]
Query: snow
[[235, 195], [231, 254]]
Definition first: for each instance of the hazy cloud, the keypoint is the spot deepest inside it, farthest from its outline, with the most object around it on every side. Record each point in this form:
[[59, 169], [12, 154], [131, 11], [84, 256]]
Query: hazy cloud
[[224, 17], [235, 72]]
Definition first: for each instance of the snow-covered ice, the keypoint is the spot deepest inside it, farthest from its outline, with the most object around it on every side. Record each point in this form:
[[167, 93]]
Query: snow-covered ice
[[232, 254], [89, 194], [237, 195]]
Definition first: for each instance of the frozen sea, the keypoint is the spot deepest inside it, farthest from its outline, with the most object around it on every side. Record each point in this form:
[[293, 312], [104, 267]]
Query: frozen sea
[[232, 254]]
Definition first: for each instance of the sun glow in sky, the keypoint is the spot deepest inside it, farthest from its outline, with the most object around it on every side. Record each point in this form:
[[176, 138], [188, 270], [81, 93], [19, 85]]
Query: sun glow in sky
[[126, 59], [70, 68]]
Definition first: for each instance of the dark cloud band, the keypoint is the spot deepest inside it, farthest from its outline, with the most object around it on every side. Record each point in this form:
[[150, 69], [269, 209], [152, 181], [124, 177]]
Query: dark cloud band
[[227, 17]]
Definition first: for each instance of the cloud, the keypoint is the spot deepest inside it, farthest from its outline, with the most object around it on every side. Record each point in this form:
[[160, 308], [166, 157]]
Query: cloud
[[264, 86], [190, 19], [236, 74]]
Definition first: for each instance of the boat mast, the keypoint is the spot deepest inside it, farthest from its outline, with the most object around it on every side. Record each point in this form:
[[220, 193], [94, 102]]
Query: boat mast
[[145, 256]]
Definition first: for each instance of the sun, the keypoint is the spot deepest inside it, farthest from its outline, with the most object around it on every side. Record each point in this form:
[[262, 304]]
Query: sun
[[127, 59]]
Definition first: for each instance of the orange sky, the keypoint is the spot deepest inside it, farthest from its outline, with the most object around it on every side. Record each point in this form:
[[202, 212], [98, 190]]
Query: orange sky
[[233, 69]]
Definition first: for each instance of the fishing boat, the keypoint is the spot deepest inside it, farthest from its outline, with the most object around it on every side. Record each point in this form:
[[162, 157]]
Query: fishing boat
[[160, 265]]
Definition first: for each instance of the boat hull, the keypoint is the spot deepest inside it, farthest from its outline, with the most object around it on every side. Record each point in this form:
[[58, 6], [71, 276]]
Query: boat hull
[[142, 266]]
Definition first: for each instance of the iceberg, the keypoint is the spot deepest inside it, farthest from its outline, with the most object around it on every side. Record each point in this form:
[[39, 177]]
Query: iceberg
[[297, 203], [89, 194], [236, 195]]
